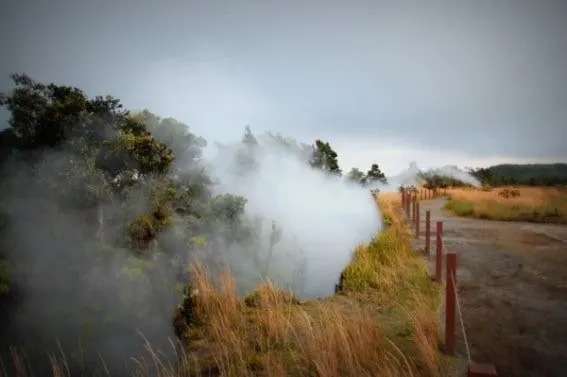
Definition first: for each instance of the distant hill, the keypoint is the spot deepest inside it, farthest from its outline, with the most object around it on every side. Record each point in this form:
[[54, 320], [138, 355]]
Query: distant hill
[[523, 174]]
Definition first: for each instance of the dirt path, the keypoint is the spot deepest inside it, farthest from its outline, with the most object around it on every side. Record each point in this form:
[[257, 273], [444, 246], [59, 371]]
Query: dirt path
[[512, 283]]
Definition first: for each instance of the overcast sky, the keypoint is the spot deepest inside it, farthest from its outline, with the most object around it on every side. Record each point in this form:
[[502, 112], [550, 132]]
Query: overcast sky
[[439, 82]]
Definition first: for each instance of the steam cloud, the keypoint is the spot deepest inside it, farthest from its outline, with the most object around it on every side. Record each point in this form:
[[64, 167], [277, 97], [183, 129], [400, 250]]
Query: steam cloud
[[319, 214]]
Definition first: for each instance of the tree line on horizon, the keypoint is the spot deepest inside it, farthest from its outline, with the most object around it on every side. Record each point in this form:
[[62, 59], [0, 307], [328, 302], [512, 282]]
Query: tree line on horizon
[[502, 175]]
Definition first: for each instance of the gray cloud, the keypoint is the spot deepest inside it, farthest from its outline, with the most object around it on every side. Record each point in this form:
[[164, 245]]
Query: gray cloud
[[480, 77]]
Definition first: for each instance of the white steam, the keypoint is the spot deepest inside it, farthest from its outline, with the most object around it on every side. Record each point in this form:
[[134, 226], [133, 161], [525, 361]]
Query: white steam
[[456, 173], [413, 177], [320, 215]]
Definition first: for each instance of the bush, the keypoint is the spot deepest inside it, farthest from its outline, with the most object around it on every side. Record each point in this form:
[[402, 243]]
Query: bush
[[509, 193]]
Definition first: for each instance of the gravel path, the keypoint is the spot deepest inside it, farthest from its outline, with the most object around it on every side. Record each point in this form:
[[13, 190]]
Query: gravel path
[[512, 283]]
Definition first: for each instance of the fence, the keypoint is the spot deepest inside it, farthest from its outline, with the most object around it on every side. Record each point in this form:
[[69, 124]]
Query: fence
[[411, 207]]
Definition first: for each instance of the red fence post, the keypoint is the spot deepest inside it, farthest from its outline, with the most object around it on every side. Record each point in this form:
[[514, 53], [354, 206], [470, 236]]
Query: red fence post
[[481, 370], [413, 209], [417, 220], [450, 303], [439, 251], [427, 231]]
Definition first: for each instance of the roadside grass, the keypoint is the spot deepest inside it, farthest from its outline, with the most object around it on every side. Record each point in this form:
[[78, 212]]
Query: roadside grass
[[534, 204], [382, 322]]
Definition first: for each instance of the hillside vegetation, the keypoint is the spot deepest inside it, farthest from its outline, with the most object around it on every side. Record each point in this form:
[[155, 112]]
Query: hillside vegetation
[[498, 176], [523, 174]]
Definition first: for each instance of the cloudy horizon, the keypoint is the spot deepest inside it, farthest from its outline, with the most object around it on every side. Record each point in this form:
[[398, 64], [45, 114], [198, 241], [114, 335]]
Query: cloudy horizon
[[461, 83]]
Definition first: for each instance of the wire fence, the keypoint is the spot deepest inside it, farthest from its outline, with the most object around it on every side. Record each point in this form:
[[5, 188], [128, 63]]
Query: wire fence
[[411, 208], [458, 304]]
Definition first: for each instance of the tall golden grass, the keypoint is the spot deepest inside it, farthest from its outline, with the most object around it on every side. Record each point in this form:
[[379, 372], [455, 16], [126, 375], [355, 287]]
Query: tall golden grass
[[534, 204], [382, 323]]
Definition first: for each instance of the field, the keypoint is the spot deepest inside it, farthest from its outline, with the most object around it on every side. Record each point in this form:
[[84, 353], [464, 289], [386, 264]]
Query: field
[[383, 322], [533, 204]]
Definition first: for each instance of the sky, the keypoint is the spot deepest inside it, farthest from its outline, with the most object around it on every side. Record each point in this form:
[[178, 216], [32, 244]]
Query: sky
[[467, 83]]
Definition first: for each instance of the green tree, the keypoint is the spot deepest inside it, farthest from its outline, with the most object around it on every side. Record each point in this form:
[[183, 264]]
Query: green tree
[[375, 175], [186, 146], [355, 175], [325, 158]]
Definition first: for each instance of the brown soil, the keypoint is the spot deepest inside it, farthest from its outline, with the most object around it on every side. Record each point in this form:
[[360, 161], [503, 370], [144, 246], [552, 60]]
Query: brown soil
[[512, 285]]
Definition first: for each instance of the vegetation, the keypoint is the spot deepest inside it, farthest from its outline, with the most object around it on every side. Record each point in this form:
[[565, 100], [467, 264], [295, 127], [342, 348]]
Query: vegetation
[[373, 176], [381, 322], [524, 175], [325, 158], [98, 199], [501, 175], [541, 205]]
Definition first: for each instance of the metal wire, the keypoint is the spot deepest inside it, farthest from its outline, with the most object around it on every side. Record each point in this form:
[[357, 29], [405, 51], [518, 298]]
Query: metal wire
[[461, 317], [457, 300]]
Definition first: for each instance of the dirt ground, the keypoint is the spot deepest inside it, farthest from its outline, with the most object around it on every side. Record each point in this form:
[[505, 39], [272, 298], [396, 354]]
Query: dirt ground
[[512, 285]]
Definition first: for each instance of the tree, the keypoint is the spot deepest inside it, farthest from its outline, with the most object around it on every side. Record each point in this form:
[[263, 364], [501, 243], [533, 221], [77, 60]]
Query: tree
[[186, 146], [325, 158], [375, 175], [355, 175], [48, 115], [249, 138]]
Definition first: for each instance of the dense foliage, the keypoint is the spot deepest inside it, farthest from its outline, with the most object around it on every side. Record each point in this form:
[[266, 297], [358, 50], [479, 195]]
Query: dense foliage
[[372, 177], [526, 174]]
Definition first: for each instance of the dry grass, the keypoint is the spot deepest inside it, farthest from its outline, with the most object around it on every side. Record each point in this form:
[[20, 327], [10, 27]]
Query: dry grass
[[382, 323], [534, 204]]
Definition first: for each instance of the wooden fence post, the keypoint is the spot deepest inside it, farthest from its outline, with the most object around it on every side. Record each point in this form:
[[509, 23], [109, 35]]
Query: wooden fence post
[[403, 193], [427, 232], [413, 208], [439, 251], [417, 220], [481, 370], [450, 284]]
